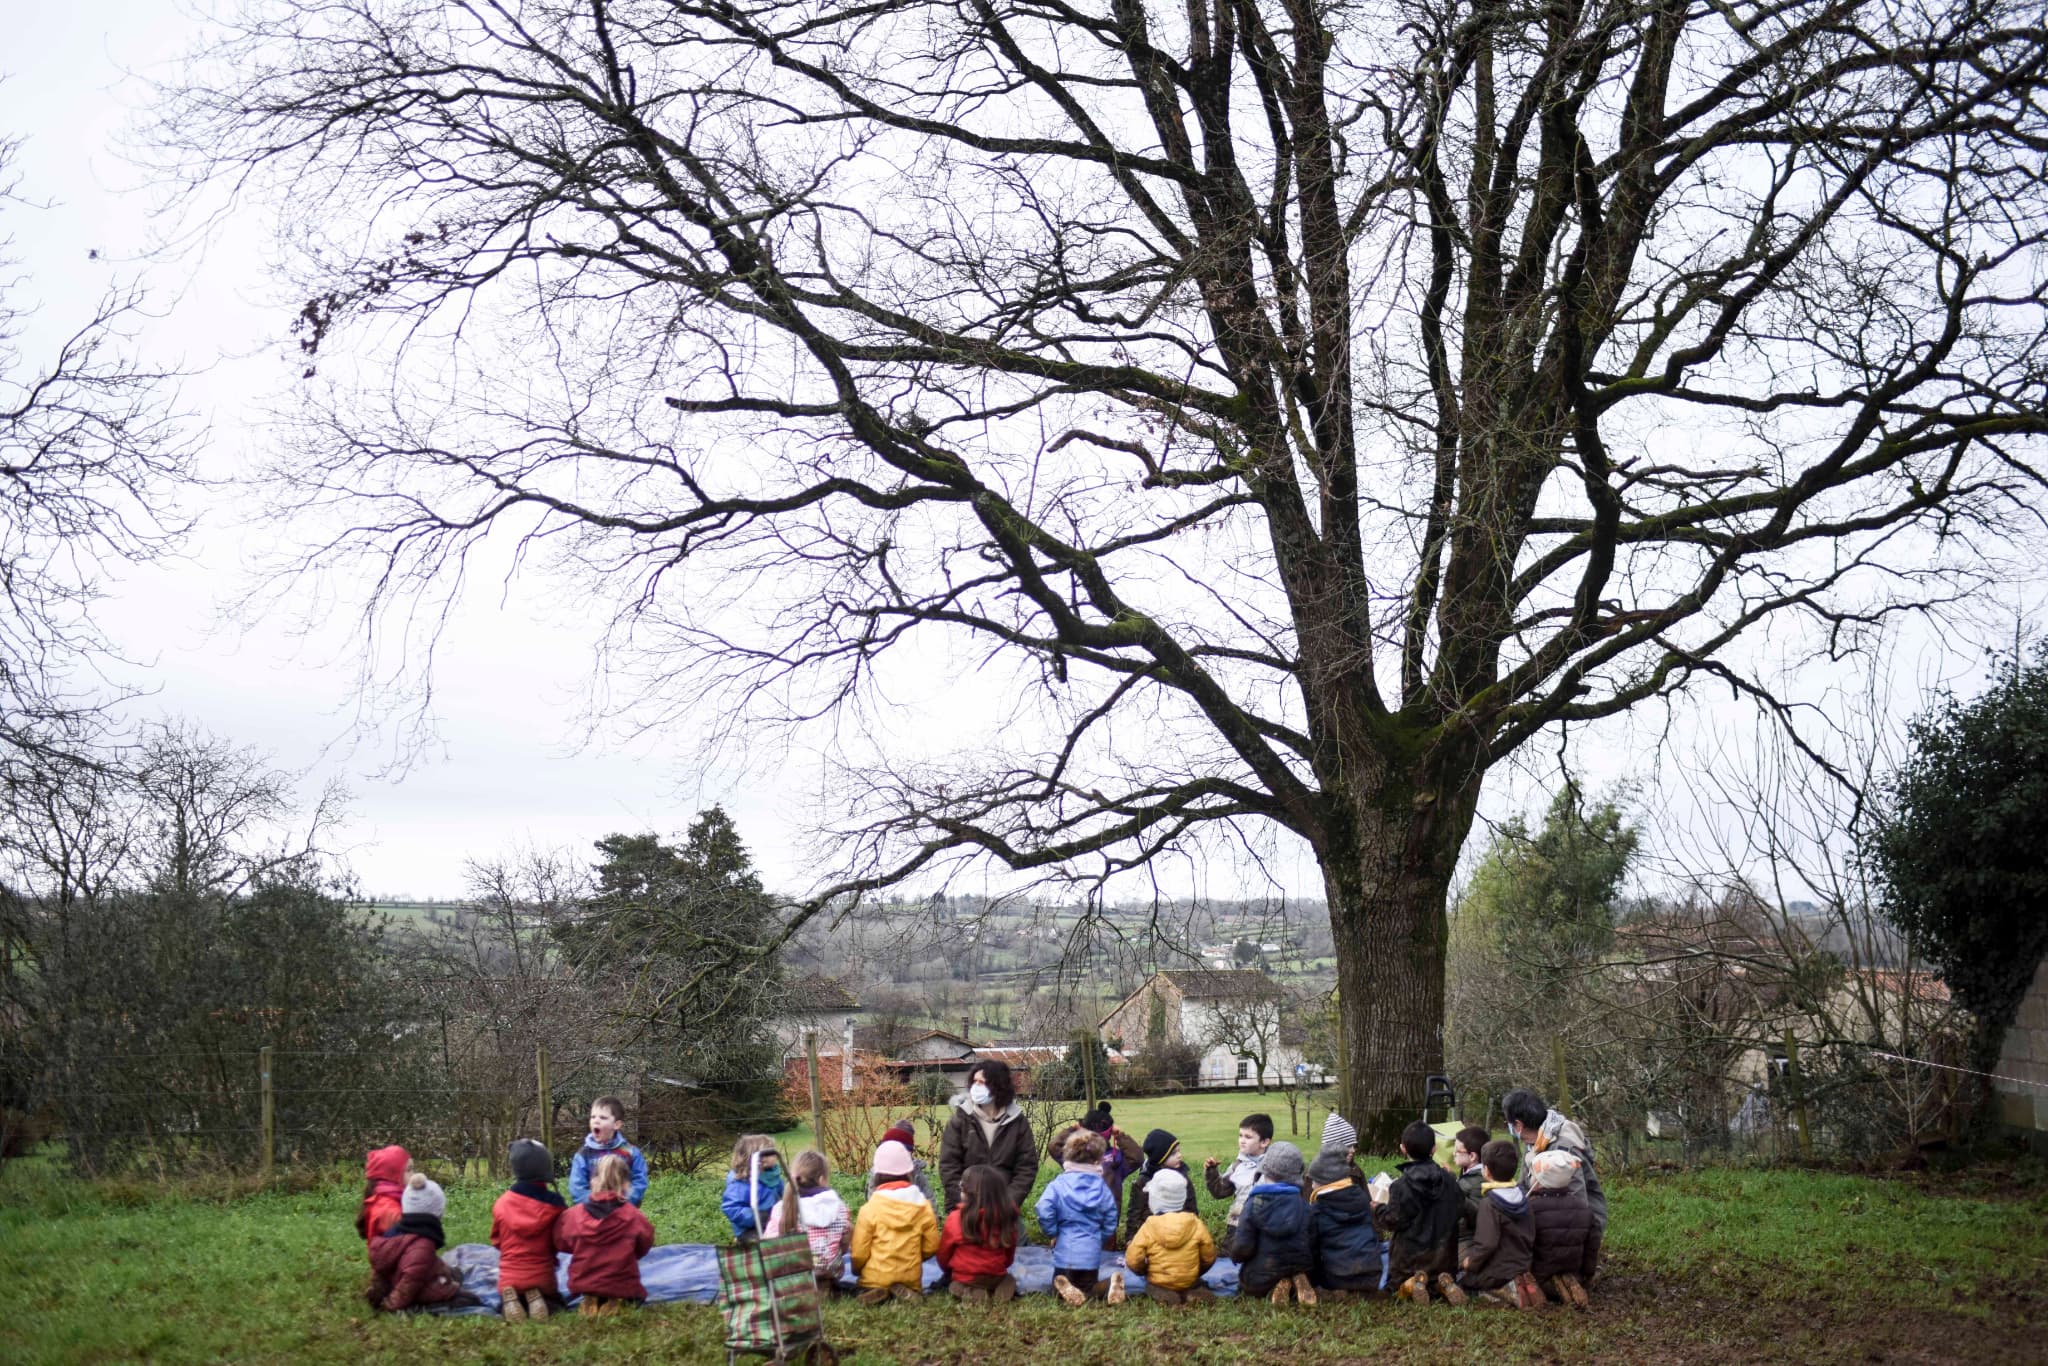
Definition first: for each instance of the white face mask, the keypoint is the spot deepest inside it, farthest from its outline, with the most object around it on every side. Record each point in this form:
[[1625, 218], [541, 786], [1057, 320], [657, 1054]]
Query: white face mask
[[979, 1094]]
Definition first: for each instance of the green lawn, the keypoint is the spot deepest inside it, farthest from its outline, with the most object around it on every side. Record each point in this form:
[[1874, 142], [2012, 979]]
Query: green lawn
[[1713, 1265]]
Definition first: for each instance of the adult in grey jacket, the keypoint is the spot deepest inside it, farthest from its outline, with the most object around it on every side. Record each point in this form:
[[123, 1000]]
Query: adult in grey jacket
[[1541, 1129]]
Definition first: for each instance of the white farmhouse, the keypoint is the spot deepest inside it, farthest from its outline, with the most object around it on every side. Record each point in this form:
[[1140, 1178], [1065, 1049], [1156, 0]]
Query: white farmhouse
[[1233, 1016]]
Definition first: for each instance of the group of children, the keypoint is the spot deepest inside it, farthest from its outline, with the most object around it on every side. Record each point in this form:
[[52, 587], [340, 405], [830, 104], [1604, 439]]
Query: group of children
[[600, 1226], [1298, 1231]]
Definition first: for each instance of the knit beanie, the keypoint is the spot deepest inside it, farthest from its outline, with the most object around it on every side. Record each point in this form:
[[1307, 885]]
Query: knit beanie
[[1097, 1121], [1167, 1191], [893, 1159], [1282, 1164], [1553, 1170], [531, 1161], [1330, 1165], [900, 1132], [422, 1197], [1159, 1145], [1338, 1133]]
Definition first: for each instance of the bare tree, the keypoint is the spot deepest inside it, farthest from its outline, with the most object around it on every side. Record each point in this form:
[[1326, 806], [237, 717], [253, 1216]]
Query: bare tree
[[93, 457], [1248, 1024], [1311, 403]]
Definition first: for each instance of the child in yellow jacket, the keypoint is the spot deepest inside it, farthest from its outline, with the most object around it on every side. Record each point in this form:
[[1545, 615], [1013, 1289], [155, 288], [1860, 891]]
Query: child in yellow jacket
[[894, 1232], [1173, 1247]]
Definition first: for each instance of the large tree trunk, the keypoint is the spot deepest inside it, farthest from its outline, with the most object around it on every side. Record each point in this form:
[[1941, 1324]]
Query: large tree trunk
[[1387, 883]]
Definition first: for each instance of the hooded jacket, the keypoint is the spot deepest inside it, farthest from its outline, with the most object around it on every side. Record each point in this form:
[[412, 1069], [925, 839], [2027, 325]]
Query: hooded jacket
[[1557, 1132], [605, 1238], [1470, 1182], [743, 1217], [1420, 1220], [1563, 1225], [1348, 1252], [920, 1177], [1078, 1212], [1159, 1146], [586, 1158], [892, 1235], [826, 1224], [523, 1231], [1013, 1151], [965, 1261], [384, 1171], [1502, 1241], [406, 1270], [1172, 1250], [1274, 1238]]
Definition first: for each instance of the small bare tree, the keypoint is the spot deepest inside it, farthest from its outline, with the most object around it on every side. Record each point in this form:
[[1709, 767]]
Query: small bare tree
[[1247, 1023]]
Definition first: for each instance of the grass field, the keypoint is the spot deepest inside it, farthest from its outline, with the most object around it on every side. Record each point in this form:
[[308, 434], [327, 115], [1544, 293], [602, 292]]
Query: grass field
[[1718, 1265]]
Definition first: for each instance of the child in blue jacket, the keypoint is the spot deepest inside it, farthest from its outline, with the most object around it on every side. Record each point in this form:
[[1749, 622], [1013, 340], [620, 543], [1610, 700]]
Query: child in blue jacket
[[1078, 1212], [607, 1119], [756, 1154]]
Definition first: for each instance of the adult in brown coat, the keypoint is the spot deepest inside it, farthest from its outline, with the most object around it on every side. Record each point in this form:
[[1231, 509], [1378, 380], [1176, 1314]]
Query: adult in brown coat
[[988, 1129]]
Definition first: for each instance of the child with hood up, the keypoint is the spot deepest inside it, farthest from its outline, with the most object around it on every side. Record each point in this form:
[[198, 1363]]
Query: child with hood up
[[605, 1237], [523, 1231], [1273, 1245], [1566, 1237], [1495, 1264], [384, 1173], [406, 1270], [1078, 1212], [894, 1231], [756, 1175], [1420, 1219], [1172, 1248], [821, 1213], [1349, 1255]]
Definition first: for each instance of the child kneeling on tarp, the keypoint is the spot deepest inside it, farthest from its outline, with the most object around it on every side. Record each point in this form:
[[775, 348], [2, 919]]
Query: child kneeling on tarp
[[1172, 1247]]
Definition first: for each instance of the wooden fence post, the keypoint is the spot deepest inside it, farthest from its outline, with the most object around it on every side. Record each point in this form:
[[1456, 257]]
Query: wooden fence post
[[1088, 1067], [817, 1105], [268, 1165], [547, 1097]]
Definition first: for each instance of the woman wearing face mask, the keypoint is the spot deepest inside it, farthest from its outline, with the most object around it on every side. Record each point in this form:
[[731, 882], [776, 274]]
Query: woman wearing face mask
[[988, 1129]]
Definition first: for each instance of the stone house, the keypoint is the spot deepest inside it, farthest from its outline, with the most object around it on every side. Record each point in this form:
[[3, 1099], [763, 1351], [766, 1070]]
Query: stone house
[[1227, 1014]]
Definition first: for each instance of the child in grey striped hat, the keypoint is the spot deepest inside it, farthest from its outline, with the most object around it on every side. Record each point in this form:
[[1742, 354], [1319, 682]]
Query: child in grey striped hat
[[1340, 1140]]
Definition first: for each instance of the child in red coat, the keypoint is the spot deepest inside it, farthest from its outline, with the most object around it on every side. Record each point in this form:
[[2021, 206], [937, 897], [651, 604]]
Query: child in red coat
[[979, 1240], [523, 1231], [384, 1173], [605, 1238], [406, 1270]]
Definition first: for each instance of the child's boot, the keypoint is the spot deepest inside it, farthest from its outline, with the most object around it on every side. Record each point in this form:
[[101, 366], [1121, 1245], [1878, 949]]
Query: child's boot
[[1160, 1294], [1304, 1288], [969, 1294], [1004, 1290], [1416, 1288], [1198, 1294], [1571, 1292], [1067, 1291], [1116, 1288], [536, 1305], [907, 1294], [1281, 1292], [1447, 1286], [877, 1295], [1528, 1294], [510, 1305]]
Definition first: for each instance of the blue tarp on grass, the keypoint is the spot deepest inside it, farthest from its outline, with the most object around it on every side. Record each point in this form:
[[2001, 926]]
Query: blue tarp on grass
[[689, 1271]]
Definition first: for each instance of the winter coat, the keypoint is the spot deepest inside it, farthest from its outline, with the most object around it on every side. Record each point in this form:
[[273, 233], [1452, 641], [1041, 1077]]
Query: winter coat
[[1502, 1241], [605, 1238], [1078, 1213], [406, 1270], [1274, 1238], [1123, 1158], [1564, 1233], [1420, 1221], [732, 1203], [523, 1231], [586, 1158], [1172, 1251], [1013, 1151], [1471, 1181], [1233, 1183], [965, 1261], [920, 1177], [1348, 1252], [1139, 1208], [1565, 1134], [826, 1224], [892, 1235], [384, 1175]]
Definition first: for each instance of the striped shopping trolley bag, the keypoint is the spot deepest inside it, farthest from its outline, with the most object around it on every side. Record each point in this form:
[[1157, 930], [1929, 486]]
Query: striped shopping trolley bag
[[768, 1292]]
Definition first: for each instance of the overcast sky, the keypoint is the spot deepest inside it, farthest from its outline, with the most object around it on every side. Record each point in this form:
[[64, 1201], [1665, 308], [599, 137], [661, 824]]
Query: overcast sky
[[510, 768]]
